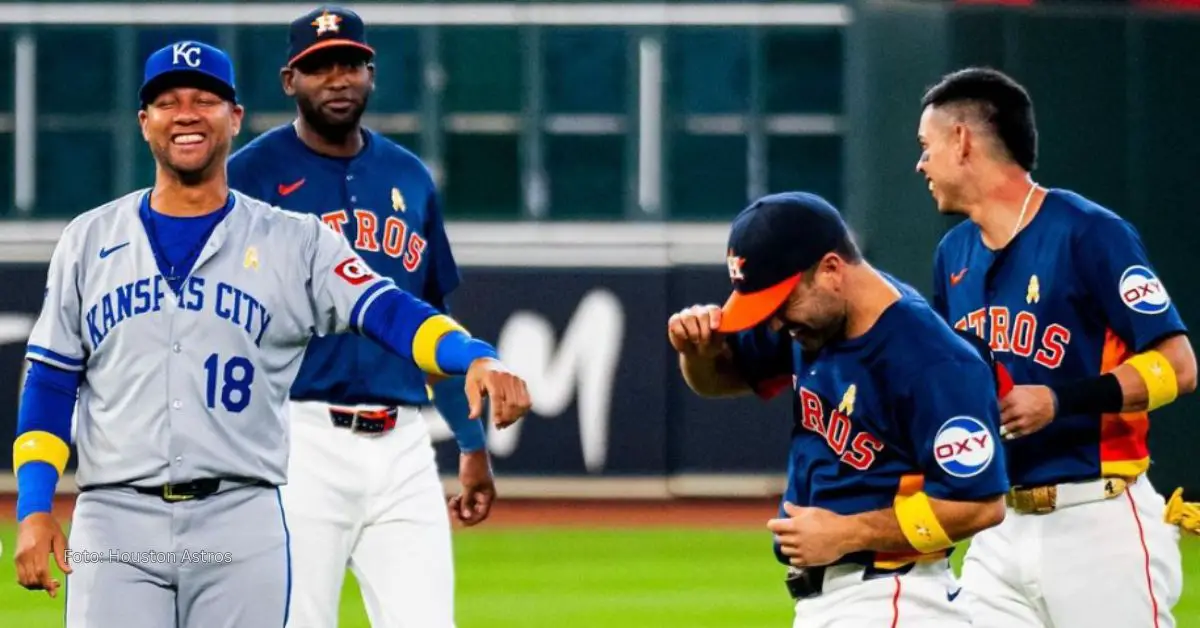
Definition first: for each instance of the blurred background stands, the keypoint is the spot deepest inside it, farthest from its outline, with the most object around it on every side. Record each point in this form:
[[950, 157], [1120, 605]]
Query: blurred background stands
[[593, 112]]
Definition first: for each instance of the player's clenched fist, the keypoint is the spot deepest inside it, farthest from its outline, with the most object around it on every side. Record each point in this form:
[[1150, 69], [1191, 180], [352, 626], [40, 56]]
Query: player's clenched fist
[[39, 536], [693, 331], [507, 393]]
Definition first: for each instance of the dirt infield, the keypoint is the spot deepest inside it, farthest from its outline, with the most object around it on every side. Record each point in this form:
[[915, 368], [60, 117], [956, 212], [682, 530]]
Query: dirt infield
[[698, 513]]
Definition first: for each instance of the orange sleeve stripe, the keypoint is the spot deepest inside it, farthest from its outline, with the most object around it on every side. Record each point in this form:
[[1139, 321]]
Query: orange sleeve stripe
[[1122, 436]]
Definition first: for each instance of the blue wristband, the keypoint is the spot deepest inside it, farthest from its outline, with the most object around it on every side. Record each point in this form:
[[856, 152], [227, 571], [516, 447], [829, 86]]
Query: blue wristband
[[35, 488], [456, 351], [451, 402]]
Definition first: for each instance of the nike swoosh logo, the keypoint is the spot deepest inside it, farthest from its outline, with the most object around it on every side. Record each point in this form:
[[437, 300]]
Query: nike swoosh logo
[[106, 252], [950, 596], [957, 277], [285, 189]]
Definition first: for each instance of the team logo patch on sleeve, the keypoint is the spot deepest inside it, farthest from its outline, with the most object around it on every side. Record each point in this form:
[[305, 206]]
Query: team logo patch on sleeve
[[1141, 291], [354, 271], [963, 447]]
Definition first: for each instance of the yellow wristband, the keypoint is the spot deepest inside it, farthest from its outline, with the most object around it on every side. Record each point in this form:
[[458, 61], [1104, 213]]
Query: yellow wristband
[[38, 446], [425, 341], [919, 523], [1161, 383]]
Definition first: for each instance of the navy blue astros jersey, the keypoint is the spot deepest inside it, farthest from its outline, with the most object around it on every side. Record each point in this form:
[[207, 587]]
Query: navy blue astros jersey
[[908, 406], [1072, 296], [385, 203]]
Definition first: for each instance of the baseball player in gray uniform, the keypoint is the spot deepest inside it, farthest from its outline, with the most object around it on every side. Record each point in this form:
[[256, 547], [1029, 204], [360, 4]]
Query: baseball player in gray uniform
[[179, 315]]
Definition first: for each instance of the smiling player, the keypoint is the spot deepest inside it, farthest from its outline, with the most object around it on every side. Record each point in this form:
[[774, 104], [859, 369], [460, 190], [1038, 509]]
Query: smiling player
[[1063, 291]]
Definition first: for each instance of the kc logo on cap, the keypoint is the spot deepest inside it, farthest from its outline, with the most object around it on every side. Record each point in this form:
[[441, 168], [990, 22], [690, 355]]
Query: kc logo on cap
[[185, 52]]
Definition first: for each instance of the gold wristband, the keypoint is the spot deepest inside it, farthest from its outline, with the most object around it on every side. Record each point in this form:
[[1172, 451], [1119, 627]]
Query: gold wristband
[[1162, 386], [425, 341], [39, 446], [919, 523]]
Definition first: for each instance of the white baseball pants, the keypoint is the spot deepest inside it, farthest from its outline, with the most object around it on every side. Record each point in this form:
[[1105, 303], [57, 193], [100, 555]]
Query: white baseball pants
[[375, 504], [1113, 562]]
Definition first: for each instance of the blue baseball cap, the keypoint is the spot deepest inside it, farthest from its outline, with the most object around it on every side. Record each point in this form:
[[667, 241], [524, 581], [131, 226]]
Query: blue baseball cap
[[190, 64], [327, 27], [771, 243]]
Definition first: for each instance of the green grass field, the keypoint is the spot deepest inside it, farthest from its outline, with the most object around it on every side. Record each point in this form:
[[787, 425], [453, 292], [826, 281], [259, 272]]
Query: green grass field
[[552, 578]]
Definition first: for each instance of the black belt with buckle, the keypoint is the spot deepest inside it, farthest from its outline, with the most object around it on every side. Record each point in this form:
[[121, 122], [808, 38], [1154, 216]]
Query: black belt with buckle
[[803, 583], [185, 491], [371, 421]]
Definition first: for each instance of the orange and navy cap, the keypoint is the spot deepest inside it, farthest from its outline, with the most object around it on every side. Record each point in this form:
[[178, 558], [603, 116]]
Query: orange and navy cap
[[771, 243], [326, 27]]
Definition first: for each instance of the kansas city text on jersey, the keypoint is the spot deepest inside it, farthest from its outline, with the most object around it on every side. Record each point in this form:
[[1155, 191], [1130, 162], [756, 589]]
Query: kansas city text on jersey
[[147, 295]]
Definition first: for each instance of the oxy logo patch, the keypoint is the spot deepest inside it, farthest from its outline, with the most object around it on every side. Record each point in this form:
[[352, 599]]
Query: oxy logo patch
[[963, 447], [1141, 291]]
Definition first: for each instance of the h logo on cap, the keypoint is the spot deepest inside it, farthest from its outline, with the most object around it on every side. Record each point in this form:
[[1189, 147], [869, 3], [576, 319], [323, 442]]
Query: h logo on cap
[[327, 22], [188, 52], [735, 266]]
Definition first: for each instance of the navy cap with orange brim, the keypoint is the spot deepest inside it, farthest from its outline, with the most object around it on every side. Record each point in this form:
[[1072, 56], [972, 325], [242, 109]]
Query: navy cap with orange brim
[[324, 28], [771, 243]]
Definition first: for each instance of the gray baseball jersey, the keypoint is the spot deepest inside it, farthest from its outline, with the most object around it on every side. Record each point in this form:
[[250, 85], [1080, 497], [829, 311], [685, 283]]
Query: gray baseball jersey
[[192, 385]]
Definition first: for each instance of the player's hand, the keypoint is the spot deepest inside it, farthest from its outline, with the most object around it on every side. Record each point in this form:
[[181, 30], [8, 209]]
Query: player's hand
[[474, 503], [38, 536], [810, 537], [507, 393], [1025, 410], [693, 331]]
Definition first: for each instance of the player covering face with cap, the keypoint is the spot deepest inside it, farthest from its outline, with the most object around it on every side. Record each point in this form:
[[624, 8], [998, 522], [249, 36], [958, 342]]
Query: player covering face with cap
[[893, 457], [803, 287]]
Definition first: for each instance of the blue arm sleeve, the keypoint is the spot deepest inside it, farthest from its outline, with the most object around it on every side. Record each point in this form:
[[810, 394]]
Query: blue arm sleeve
[[450, 399], [393, 319], [451, 402], [47, 403]]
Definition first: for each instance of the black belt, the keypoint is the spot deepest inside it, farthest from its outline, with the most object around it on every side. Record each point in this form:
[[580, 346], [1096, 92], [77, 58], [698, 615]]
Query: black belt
[[805, 582], [185, 491], [371, 421]]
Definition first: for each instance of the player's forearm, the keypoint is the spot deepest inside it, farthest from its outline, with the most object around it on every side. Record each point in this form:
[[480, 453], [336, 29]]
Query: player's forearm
[[1146, 381], [883, 531], [413, 329], [1137, 385], [450, 399], [712, 376], [41, 451]]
